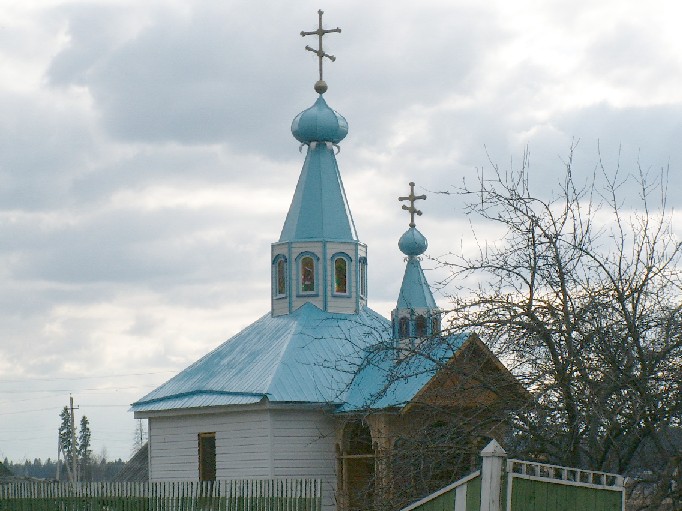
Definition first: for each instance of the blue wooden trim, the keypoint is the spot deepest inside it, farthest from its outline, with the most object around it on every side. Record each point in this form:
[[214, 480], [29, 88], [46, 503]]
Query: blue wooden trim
[[325, 299], [291, 274], [358, 290]]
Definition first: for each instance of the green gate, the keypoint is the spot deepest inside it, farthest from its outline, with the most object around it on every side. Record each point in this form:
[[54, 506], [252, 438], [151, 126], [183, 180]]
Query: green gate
[[526, 486], [541, 487]]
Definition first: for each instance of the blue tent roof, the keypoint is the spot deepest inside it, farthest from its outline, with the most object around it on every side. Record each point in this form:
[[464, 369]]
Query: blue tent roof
[[307, 356], [319, 209], [385, 382], [415, 292]]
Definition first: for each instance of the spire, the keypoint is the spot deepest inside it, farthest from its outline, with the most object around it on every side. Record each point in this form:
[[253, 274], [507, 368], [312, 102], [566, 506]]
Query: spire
[[318, 258], [319, 209], [416, 313]]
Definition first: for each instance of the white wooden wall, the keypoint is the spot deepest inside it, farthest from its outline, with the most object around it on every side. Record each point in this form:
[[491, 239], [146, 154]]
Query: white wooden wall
[[242, 441], [303, 446], [262, 443]]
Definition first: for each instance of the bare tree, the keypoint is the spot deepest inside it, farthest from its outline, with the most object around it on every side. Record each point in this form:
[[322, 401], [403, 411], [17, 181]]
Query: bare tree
[[580, 297], [395, 451]]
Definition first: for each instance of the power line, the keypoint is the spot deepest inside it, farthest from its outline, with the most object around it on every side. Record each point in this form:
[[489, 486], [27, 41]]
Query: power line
[[78, 389], [68, 378], [56, 407], [106, 406]]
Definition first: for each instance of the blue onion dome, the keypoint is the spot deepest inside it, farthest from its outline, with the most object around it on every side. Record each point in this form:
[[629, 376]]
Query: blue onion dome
[[412, 243], [319, 123]]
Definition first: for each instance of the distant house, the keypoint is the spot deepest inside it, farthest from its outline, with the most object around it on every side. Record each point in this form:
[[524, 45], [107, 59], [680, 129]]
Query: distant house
[[136, 468], [321, 385]]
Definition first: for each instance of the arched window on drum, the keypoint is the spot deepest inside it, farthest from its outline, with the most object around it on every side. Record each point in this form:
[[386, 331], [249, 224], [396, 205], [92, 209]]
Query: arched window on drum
[[363, 277], [307, 273], [341, 282], [279, 276]]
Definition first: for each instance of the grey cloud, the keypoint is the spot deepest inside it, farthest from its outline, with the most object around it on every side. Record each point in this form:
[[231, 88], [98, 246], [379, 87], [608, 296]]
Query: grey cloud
[[198, 79], [123, 246], [42, 147], [630, 54]]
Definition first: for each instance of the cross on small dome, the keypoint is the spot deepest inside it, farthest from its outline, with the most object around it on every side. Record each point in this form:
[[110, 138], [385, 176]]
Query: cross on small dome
[[412, 198]]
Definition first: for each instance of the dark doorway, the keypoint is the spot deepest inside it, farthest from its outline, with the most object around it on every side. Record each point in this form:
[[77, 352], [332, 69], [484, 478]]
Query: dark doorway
[[207, 459], [358, 466]]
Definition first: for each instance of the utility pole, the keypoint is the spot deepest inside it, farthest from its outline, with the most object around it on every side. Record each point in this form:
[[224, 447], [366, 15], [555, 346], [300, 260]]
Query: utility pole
[[59, 457], [73, 443]]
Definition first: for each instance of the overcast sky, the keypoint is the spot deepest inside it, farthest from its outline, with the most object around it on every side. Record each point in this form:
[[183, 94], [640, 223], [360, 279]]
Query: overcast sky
[[146, 161]]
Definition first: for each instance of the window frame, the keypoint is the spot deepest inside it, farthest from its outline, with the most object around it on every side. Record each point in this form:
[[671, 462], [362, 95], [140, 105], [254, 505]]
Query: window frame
[[349, 283], [299, 274], [403, 327], [363, 277], [420, 325], [280, 258]]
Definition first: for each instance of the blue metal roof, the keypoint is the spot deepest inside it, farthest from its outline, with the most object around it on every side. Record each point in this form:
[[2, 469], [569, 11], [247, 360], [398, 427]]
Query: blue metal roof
[[412, 242], [386, 381], [319, 209], [319, 123], [307, 356], [415, 292]]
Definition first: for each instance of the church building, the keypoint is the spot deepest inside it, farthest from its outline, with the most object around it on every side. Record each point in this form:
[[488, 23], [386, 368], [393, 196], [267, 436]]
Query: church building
[[321, 386]]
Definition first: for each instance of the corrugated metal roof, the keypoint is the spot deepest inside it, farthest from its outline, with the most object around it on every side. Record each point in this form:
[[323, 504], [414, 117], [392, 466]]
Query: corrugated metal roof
[[319, 208], [307, 356], [196, 399], [384, 381], [415, 292]]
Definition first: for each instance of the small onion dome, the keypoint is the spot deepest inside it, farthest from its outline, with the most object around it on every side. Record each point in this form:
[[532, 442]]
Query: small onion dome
[[412, 243], [319, 123]]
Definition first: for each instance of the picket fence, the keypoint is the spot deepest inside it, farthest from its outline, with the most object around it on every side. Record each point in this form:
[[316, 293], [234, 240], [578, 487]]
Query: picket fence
[[232, 495]]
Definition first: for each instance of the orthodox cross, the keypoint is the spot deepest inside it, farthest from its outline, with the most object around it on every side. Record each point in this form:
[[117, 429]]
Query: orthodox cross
[[412, 198], [320, 86]]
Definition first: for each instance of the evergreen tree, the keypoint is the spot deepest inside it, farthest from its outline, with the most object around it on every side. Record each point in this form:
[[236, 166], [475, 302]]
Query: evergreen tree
[[83, 450], [5, 470], [66, 435]]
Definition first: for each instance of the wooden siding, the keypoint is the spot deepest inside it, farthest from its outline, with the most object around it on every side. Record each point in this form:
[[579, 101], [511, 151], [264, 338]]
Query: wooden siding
[[535, 486], [303, 446], [242, 441], [533, 495], [265, 443]]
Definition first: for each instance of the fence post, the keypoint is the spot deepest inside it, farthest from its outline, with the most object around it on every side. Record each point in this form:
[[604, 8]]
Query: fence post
[[491, 476]]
